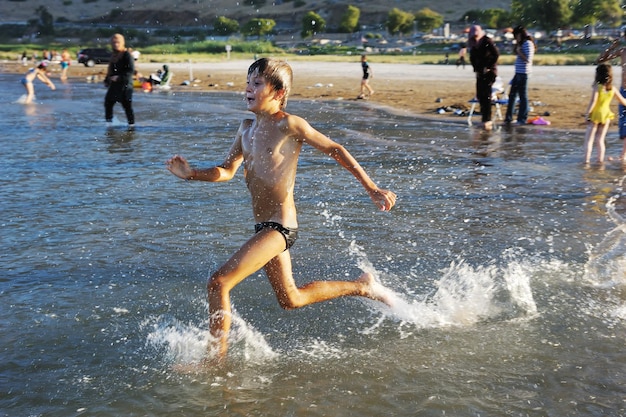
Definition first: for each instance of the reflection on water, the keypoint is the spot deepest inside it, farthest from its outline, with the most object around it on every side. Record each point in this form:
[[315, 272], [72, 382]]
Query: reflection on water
[[505, 257], [120, 140]]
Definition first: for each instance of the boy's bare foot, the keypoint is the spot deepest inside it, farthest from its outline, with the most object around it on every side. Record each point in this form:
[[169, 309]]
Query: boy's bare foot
[[374, 290]]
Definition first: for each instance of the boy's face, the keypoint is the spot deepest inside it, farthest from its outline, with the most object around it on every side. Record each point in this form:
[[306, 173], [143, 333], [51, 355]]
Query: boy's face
[[259, 93]]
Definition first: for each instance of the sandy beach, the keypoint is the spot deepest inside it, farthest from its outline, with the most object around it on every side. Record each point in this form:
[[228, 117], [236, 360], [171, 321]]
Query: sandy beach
[[560, 94]]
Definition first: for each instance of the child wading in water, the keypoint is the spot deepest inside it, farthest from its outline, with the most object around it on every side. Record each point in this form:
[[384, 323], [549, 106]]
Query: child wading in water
[[27, 81], [268, 147], [599, 114]]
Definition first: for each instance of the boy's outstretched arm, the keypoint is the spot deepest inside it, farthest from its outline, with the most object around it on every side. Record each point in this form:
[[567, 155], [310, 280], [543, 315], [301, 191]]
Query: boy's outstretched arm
[[613, 51], [384, 199], [179, 166]]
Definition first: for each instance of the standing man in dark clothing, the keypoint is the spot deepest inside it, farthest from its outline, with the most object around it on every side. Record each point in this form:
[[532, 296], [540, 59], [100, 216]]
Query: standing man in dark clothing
[[484, 58], [119, 80]]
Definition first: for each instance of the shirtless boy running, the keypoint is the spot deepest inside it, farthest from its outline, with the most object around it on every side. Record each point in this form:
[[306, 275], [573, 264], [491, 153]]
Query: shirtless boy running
[[269, 147]]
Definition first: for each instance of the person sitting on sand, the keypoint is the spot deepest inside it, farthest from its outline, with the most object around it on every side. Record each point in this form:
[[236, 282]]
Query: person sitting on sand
[[162, 77], [29, 77], [165, 75], [268, 146]]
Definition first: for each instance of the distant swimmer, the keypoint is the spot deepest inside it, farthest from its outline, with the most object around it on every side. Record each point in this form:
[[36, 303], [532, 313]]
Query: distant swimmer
[[268, 146], [35, 73]]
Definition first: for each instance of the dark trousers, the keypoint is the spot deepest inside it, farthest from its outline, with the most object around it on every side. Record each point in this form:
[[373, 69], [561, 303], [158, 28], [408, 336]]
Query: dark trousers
[[484, 83], [519, 87], [128, 108]]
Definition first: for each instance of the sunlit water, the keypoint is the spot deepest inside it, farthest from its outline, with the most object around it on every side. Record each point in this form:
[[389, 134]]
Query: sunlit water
[[505, 256]]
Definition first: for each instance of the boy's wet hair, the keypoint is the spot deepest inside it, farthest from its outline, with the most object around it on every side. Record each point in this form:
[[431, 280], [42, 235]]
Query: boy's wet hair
[[277, 73]]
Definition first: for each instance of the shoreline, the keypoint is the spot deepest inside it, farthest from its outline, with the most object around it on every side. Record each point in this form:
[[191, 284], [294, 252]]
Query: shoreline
[[560, 94]]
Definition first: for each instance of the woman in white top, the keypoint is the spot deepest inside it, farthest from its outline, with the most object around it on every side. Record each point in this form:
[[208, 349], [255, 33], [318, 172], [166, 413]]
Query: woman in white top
[[524, 51]]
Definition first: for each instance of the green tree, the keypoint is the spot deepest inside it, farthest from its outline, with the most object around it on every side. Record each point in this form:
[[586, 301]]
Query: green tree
[[399, 21], [590, 12], [350, 20], [225, 26], [547, 14], [258, 27], [427, 20], [44, 23], [312, 23], [492, 18]]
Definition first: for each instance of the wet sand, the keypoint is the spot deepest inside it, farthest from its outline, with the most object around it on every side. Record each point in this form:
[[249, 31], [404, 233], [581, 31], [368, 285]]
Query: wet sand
[[560, 94]]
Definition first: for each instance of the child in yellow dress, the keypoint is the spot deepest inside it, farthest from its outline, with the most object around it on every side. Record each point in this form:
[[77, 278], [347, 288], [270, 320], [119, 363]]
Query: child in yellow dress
[[599, 114]]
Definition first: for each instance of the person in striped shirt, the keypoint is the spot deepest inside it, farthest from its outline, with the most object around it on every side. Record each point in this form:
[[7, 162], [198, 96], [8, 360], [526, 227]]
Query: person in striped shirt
[[525, 51]]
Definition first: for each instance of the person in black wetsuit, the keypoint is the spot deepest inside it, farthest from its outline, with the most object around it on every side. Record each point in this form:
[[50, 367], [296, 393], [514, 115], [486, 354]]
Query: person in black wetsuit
[[484, 58], [119, 80]]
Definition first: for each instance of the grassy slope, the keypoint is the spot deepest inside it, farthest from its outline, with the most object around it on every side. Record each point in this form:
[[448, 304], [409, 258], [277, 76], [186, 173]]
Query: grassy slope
[[206, 10]]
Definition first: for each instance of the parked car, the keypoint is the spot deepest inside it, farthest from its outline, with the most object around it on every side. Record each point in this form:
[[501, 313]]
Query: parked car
[[92, 56]]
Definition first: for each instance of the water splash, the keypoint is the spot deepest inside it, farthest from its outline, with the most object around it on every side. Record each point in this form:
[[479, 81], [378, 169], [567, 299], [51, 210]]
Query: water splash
[[22, 100], [606, 266], [464, 295], [182, 343], [115, 122], [185, 344]]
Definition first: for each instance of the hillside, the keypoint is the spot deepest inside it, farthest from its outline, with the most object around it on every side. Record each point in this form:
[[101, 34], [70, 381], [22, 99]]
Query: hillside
[[203, 12]]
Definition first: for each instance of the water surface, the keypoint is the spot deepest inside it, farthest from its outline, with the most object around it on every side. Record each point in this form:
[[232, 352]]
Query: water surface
[[505, 254]]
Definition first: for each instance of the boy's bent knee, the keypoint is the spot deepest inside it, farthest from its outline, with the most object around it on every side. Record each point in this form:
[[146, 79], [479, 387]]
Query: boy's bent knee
[[215, 283], [287, 302]]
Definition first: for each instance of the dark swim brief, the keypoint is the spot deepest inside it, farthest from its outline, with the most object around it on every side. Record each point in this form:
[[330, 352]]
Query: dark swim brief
[[290, 235]]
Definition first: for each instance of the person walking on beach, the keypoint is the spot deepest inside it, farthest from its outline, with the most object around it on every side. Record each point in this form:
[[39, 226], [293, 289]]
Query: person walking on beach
[[617, 49], [268, 147], [599, 114], [367, 74], [525, 51], [35, 73], [484, 58], [119, 80]]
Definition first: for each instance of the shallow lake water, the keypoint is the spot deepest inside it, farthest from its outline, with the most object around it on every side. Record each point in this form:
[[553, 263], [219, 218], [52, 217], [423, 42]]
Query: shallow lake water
[[505, 255]]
